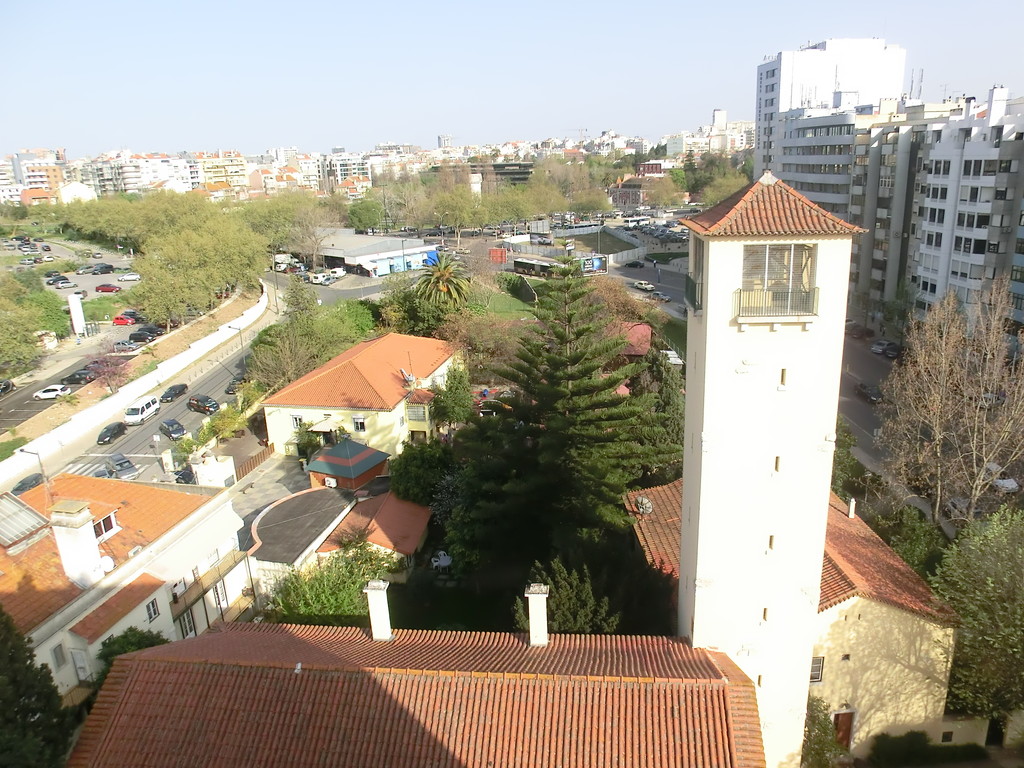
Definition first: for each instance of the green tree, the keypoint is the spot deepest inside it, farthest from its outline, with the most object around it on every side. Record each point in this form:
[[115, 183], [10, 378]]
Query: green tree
[[720, 187], [846, 470], [552, 461], [329, 592], [417, 470], [132, 639], [444, 283], [820, 749], [662, 425], [366, 214], [35, 728], [403, 309], [572, 606], [50, 312], [281, 355], [300, 298], [980, 579], [919, 543], [18, 347], [453, 403]]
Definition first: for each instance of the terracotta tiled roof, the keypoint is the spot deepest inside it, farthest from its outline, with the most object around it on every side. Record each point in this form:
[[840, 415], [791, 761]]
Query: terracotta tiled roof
[[387, 521], [768, 208], [98, 622], [368, 376], [856, 562], [421, 397], [144, 513], [638, 337], [864, 565], [33, 585], [659, 530], [426, 698]]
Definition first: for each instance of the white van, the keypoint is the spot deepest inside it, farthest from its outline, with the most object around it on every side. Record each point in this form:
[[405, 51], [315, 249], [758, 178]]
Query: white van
[[337, 272], [141, 411]]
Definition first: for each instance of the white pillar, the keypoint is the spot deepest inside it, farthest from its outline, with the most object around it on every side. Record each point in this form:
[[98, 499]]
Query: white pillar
[[376, 592], [537, 605]]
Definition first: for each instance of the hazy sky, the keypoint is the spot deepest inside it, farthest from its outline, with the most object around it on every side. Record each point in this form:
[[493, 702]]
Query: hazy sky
[[219, 74]]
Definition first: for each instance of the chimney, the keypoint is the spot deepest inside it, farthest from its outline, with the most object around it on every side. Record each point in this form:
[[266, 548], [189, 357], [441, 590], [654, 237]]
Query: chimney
[[852, 508], [376, 592], [537, 605], [71, 522]]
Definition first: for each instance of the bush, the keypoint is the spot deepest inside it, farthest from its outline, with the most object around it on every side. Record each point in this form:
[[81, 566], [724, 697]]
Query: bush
[[915, 748]]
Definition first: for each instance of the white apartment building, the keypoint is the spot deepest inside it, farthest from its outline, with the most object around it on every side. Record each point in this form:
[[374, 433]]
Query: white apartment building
[[830, 74], [969, 226], [338, 166]]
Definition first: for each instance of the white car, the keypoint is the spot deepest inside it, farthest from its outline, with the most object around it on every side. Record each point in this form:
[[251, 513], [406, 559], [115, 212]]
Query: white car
[[65, 284], [52, 392], [1000, 480], [643, 285], [129, 277]]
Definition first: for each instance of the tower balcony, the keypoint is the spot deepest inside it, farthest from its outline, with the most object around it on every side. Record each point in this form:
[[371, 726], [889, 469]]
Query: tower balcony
[[692, 293], [757, 303]]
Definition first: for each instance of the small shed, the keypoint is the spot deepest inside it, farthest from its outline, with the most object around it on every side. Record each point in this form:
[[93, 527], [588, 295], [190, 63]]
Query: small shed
[[346, 464]]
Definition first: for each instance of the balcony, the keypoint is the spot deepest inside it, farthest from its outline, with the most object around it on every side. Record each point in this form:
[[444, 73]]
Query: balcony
[[692, 293], [202, 585], [772, 303]]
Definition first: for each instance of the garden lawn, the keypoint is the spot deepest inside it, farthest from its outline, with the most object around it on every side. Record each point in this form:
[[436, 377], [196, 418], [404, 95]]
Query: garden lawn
[[675, 332], [503, 304]]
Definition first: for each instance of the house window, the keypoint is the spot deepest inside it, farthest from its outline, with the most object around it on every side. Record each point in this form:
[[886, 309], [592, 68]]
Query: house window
[[296, 422], [152, 610], [59, 657], [106, 527], [778, 279], [416, 412], [358, 423], [817, 667]]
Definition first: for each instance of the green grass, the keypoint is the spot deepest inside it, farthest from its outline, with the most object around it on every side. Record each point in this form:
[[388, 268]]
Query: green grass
[[8, 447], [104, 307], [675, 332], [503, 304], [608, 243]]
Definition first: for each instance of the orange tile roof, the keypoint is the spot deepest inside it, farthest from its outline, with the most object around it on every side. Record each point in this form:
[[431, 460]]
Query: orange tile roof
[[426, 698], [387, 521], [33, 585], [859, 563], [367, 376], [637, 335], [768, 208], [144, 513], [133, 594], [856, 562]]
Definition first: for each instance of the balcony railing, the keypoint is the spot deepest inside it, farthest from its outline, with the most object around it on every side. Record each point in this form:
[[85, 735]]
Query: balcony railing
[[774, 303], [204, 583], [692, 293]]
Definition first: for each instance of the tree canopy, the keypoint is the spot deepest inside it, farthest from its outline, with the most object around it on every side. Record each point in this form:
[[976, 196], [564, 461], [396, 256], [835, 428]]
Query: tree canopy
[[572, 606]]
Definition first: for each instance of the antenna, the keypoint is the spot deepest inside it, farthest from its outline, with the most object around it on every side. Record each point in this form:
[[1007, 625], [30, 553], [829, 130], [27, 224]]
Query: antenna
[[643, 505]]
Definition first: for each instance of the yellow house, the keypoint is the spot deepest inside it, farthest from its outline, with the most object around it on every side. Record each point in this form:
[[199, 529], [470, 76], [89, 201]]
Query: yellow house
[[883, 641], [378, 392]]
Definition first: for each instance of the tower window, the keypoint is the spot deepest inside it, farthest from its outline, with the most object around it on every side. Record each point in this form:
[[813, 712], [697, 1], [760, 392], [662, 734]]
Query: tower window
[[771, 542], [778, 279], [778, 463], [782, 378], [764, 614], [817, 667]]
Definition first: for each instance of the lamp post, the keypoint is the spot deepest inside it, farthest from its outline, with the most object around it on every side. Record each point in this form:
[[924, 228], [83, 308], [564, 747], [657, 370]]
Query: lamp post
[[42, 471], [440, 226], [241, 343]]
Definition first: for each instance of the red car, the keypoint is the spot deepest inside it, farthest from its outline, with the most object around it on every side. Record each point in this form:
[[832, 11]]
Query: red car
[[124, 320], [107, 288]]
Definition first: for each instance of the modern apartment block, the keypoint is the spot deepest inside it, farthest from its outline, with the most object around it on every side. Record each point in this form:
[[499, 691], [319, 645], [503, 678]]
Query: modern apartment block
[[339, 166], [831, 74], [968, 199]]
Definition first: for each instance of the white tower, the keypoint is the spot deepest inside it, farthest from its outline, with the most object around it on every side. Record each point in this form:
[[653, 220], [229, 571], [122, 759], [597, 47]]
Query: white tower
[[767, 291]]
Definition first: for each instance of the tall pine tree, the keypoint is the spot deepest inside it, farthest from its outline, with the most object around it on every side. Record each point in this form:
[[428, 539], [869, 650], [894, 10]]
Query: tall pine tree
[[558, 459]]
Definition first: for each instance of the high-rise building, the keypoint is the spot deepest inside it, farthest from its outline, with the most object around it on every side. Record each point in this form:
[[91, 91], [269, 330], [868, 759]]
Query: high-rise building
[[767, 285], [830, 74], [444, 141]]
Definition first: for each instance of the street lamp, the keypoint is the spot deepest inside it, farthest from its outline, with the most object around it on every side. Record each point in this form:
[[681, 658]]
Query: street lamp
[[241, 343], [42, 471], [440, 226]]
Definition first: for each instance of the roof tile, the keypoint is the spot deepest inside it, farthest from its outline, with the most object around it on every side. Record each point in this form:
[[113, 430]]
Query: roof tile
[[133, 594]]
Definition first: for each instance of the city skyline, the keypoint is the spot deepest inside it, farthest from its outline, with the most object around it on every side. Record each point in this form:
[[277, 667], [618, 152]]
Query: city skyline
[[112, 75]]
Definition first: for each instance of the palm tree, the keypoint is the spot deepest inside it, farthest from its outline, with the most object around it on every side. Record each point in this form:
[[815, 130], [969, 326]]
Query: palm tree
[[445, 282]]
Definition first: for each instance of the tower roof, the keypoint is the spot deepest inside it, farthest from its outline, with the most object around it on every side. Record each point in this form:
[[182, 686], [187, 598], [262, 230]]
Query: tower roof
[[768, 208]]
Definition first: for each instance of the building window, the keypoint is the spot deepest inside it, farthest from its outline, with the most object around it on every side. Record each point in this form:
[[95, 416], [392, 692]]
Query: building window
[[152, 610], [296, 422], [59, 657], [105, 528], [778, 279], [817, 667], [416, 412], [358, 423]]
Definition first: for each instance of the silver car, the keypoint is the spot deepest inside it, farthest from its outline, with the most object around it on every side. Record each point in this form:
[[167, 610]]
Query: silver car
[[121, 467]]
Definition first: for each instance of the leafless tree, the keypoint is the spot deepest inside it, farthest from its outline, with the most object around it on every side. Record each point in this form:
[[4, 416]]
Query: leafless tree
[[954, 409]]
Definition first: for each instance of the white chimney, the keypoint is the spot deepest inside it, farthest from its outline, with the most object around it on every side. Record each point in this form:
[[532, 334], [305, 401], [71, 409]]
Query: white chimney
[[376, 592], [537, 605], [71, 522], [852, 508]]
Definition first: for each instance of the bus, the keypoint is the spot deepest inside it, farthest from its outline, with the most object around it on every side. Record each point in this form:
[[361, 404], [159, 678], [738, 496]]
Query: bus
[[590, 264], [636, 221]]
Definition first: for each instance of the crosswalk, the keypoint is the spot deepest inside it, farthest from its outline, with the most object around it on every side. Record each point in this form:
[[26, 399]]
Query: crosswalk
[[148, 464]]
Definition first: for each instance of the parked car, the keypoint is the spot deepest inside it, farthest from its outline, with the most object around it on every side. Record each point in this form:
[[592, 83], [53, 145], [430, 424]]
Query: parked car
[[52, 392], [27, 262], [129, 277], [103, 269], [6, 387], [111, 432], [643, 285], [173, 392], [27, 483], [233, 385], [123, 320], [37, 239], [884, 346], [45, 248], [54, 279], [173, 429], [53, 273], [125, 346], [139, 317], [152, 330], [65, 283], [84, 270], [107, 288], [186, 476], [121, 467], [203, 404], [1000, 480], [634, 264], [141, 337], [659, 296], [870, 392], [81, 376]]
